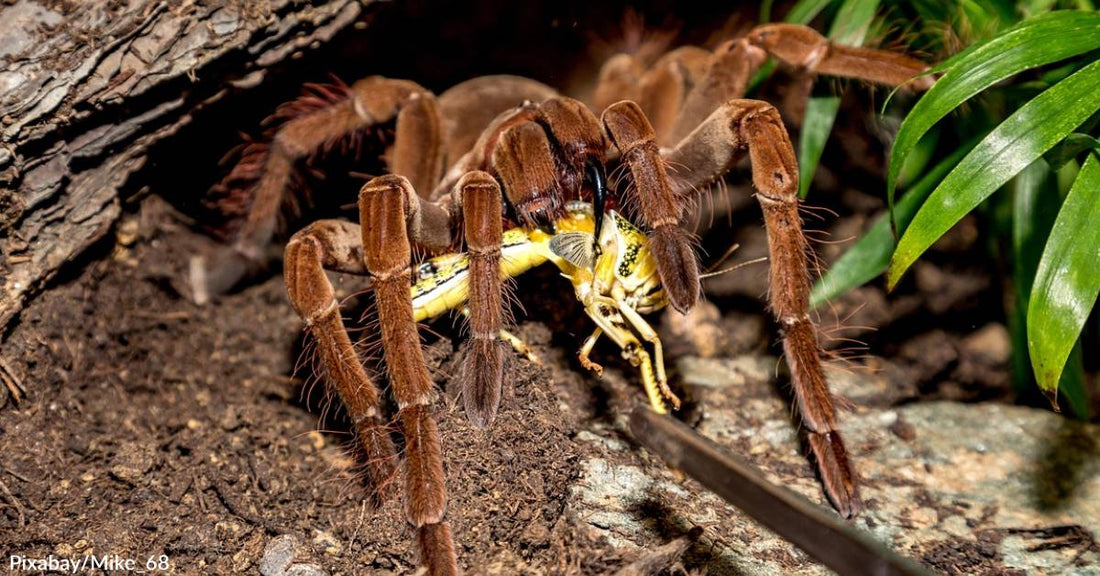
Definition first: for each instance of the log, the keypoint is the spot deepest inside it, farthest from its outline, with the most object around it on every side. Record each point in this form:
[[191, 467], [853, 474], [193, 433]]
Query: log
[[87, 87]]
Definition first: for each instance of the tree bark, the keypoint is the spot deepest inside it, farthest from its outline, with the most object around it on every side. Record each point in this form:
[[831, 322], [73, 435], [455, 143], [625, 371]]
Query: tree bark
[[87, 87]]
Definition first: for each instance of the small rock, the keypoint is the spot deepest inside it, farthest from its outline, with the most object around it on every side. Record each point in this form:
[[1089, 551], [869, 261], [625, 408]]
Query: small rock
[[928, 355], [536, 533], [699, 330], [948, 290], [224, 530], [326, 542], [960, 237], [241, 562], [279, 555], [726, 371], [903, 429], [230, 420]]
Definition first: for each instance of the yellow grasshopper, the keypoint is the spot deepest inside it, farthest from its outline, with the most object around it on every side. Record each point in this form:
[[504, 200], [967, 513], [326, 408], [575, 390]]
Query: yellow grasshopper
[[615, 279]]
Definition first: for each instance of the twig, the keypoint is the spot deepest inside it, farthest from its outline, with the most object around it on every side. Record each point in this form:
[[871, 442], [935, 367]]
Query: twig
[[234, 507], [12, 381], [663, 557], [358, 525], [15, 502], [15, 474]]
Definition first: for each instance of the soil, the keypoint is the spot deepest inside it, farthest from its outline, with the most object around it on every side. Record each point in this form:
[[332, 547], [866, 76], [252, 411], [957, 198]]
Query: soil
[[159, 427]]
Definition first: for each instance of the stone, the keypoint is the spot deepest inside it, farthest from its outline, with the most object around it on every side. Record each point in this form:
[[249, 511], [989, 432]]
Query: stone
[[962, 488], [279, 555]]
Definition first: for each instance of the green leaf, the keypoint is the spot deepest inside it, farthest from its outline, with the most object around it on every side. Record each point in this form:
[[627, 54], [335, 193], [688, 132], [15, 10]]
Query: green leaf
[[805, 11], [765, 11], [987, 14], [1035, 203], [870, 256], [852, 22], [817, 123], [1035, 207], [848, 28], [916, 166], [1035, 42], [1018, 141], [1069, 148], [1068, 279]]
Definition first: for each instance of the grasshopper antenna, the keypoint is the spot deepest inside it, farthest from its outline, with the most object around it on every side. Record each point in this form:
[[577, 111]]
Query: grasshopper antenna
[[710, 273]]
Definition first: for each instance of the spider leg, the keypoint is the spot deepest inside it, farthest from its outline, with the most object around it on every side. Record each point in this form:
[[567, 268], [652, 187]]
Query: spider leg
[[514, 341], [661, 94], [417, 153], [525, 163], [660, 209], [383, 204], [666, 85], [755, 127], [618, 80], [335, 245], [734, 63], [806, 48], [483, 370], [727, 75]]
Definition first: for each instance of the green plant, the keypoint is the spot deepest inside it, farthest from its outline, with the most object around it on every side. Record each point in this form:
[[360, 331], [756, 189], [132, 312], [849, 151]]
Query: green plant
[[1038, 79]]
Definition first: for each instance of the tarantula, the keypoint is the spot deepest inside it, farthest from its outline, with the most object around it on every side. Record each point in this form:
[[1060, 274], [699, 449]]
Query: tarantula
[[521, 157]]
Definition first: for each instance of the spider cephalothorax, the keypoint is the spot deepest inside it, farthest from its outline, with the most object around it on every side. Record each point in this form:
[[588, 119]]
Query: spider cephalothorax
[[519, 153]]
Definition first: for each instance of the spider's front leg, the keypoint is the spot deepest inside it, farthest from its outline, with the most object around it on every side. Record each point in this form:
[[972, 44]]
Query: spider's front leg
[[483, 370], [711, 150], [384, 206], [660, 210], [755, 127]]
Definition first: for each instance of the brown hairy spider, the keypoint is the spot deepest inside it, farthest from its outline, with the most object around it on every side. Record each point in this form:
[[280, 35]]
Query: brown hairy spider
[[517, 154]]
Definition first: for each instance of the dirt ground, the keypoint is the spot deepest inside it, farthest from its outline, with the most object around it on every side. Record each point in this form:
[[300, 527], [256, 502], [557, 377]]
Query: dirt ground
[[158, 427]]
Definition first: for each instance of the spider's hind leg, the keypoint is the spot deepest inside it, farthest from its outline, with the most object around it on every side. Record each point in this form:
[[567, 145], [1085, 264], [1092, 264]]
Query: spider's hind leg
[[312, 126]]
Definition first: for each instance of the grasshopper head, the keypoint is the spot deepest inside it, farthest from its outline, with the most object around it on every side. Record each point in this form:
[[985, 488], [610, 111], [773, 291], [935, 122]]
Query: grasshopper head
[[619, 264], [626, 260]]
